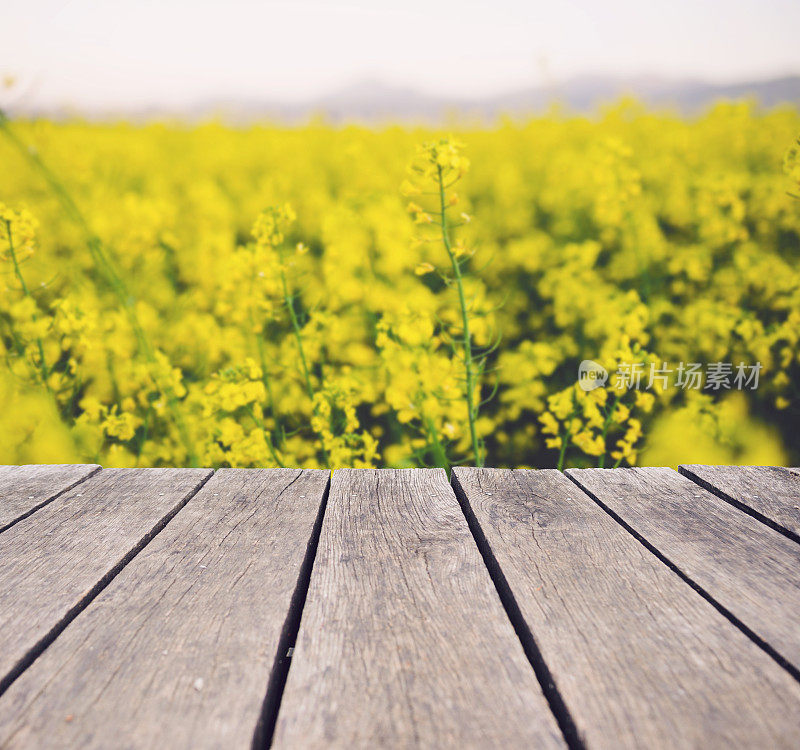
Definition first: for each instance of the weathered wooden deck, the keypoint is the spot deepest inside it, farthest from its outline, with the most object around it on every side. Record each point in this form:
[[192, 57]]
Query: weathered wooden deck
[[180, 608]]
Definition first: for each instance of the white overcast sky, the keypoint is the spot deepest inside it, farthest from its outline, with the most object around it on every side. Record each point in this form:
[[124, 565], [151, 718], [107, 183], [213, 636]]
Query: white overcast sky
[[121, 53]]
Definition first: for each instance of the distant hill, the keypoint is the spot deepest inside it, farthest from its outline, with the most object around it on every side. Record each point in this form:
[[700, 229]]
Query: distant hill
[[586, 93], [372, 101]]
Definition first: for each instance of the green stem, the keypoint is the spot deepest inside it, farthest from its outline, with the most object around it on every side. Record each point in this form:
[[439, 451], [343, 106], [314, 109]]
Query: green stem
[[439, 452], [26, 292], [264, 374], [472, 410], [601, 462], [268, 385], [265, 432], [143, 438], [289, 301], [107, 268], [18, 345], [564, 445]]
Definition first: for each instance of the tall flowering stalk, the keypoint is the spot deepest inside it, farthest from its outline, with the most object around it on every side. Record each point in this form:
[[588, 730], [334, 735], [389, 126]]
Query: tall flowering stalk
[[16, 244], [440, 165], [160, 371], [269, 232]]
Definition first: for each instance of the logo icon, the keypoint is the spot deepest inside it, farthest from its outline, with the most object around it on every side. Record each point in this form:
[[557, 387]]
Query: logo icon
[[591, 375]]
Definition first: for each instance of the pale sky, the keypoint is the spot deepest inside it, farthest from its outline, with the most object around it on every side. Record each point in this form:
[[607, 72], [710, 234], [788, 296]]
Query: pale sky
[[119, 53]]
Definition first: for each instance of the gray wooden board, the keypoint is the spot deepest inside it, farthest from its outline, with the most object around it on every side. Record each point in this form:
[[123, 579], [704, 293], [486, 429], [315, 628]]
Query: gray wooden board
[[403, 640], [54, 560], [23, 489], [747, 568], [770, 493], [639, 658], [178, 650]]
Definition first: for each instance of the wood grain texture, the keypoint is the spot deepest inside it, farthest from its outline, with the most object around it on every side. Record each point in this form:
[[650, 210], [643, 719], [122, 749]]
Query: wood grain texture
[[404, 641], [178, 650], [52, 562], [748, 569], [769, 493], [639, 658], [24, 489]]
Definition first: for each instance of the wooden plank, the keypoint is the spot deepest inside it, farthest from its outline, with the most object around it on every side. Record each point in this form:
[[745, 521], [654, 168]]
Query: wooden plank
[[639, 659], [25, 489], [749, 570], [53, 562], [179, 649], [769, 493], [404, 641]]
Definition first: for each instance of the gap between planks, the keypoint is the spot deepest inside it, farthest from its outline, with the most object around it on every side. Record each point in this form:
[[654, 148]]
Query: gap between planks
[[777, 503], [275, 688], [745, 607], [273, 521], [403, 640], [639, 659], [566, 723], [28, 488], [265, 729], [48, 624]]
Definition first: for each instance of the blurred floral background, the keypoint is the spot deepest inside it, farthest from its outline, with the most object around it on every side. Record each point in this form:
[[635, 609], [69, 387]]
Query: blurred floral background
[[328, 293]]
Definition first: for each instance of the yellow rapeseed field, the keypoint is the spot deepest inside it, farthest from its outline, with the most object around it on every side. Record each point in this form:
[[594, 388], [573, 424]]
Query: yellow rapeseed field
[[346, 296]]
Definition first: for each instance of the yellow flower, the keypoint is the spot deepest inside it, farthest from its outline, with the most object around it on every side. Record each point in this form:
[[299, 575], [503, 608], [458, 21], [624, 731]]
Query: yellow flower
[[592, 445], [408, 188], [272, 223], [549, 423], [644, 401]]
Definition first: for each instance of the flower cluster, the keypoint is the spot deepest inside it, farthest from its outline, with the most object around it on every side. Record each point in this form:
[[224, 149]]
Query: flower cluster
[[600, 422], [156, 314]]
